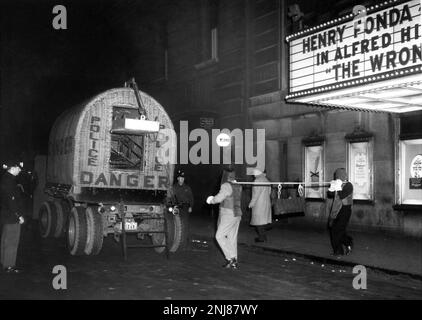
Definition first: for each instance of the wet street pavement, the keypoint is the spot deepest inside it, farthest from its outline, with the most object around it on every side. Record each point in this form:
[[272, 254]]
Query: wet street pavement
[[194, 274]]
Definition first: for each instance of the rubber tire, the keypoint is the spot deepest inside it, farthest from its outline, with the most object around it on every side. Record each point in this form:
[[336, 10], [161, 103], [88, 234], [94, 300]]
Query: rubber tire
[[47, 219], [94, 242], [63, 211], [176, 233], [77, 231], [185, 230]]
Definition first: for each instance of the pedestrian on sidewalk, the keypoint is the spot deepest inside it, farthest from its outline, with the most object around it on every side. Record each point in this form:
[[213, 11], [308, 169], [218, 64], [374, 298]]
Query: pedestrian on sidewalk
[[261, 206], [229, 217], [11, 215], [339, 204]]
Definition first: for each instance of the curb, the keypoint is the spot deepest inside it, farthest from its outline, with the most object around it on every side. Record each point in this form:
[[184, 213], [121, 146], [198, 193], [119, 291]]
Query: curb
[[334, 261], [324, 260]]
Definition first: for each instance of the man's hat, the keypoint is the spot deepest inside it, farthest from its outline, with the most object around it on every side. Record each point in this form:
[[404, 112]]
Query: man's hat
[[341, 174], [228, 175], [180, 173]]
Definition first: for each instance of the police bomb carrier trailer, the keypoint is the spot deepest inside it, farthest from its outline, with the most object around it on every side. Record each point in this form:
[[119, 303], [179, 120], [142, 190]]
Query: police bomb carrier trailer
[[104, 177]]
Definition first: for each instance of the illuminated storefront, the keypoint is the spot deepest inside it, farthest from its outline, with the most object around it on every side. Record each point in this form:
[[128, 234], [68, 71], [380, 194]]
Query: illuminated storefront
[[409, 162], [370, 62]]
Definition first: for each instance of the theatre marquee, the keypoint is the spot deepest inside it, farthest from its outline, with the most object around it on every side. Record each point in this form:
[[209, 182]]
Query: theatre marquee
[[368, 60]]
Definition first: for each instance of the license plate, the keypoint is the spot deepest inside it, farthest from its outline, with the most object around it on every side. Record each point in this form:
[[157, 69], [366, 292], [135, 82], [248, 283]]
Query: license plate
[[129, 226]]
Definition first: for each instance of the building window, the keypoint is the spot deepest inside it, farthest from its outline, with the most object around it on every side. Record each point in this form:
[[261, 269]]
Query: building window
[[408, 164], [314, 171], [161, 51], [360, 168], [410, 172], [214, 43], [209, 33]]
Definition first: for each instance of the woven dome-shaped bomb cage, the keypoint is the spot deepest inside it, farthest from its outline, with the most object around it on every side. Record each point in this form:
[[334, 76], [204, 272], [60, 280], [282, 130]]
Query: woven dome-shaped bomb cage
[[91, 162], [80, 138]]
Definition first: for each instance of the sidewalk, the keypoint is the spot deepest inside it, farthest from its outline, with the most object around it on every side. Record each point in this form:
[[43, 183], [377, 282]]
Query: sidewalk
[[390, 254]]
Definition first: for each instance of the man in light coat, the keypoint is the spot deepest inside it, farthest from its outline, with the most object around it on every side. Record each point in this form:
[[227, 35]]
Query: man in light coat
[[261, 205], [229, 217]]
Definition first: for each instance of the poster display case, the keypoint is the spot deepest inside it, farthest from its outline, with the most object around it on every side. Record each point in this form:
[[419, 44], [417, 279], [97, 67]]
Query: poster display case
[[410, 172], [314, 170], [360, 168]]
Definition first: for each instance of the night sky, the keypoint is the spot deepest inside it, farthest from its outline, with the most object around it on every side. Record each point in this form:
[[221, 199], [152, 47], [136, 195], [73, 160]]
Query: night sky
[[45, 71]]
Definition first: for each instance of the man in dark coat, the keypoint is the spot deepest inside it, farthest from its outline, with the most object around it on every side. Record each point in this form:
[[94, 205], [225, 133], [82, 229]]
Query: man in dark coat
[[11, 215], [182, 193], [182, 196], [27, 182], [341, 191]]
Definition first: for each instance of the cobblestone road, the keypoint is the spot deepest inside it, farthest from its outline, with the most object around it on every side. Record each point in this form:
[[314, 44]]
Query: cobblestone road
[[195, 274]]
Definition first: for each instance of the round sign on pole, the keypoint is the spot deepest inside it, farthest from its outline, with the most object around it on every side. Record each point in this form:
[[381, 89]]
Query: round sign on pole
[[223, 140]]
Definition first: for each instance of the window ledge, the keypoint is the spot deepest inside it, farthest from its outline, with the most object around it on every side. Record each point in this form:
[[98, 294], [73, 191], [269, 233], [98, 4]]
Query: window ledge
[[363, 201], [408, 207], [206, 64], [313, 141], [315, 199]]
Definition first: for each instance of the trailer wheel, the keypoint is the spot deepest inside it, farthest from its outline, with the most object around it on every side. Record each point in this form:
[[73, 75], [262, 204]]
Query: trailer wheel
[[63, 211], [47, 219], [77, 231], [184, 216], [94, 241], [176, 231]]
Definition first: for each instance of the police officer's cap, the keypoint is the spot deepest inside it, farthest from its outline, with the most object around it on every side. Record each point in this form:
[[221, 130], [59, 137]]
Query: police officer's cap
[[12, 162], [180, 173]]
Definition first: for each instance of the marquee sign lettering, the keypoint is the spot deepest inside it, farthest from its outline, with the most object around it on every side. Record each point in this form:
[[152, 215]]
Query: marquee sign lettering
[[367, 46]]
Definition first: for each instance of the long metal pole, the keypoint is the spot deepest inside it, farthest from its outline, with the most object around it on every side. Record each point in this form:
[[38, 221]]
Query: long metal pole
[[124, 245], [322, 184]]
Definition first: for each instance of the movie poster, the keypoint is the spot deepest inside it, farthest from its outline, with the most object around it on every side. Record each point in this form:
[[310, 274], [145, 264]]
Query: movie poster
[[314, 171], [360, 167]]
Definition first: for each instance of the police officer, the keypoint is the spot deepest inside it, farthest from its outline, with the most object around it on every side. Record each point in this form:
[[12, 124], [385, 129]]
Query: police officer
[[11, 215], [183, 197]]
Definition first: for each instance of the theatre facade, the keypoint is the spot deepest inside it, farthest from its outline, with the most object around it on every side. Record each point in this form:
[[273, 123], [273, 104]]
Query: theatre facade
[[361, 75], [332, 88]]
